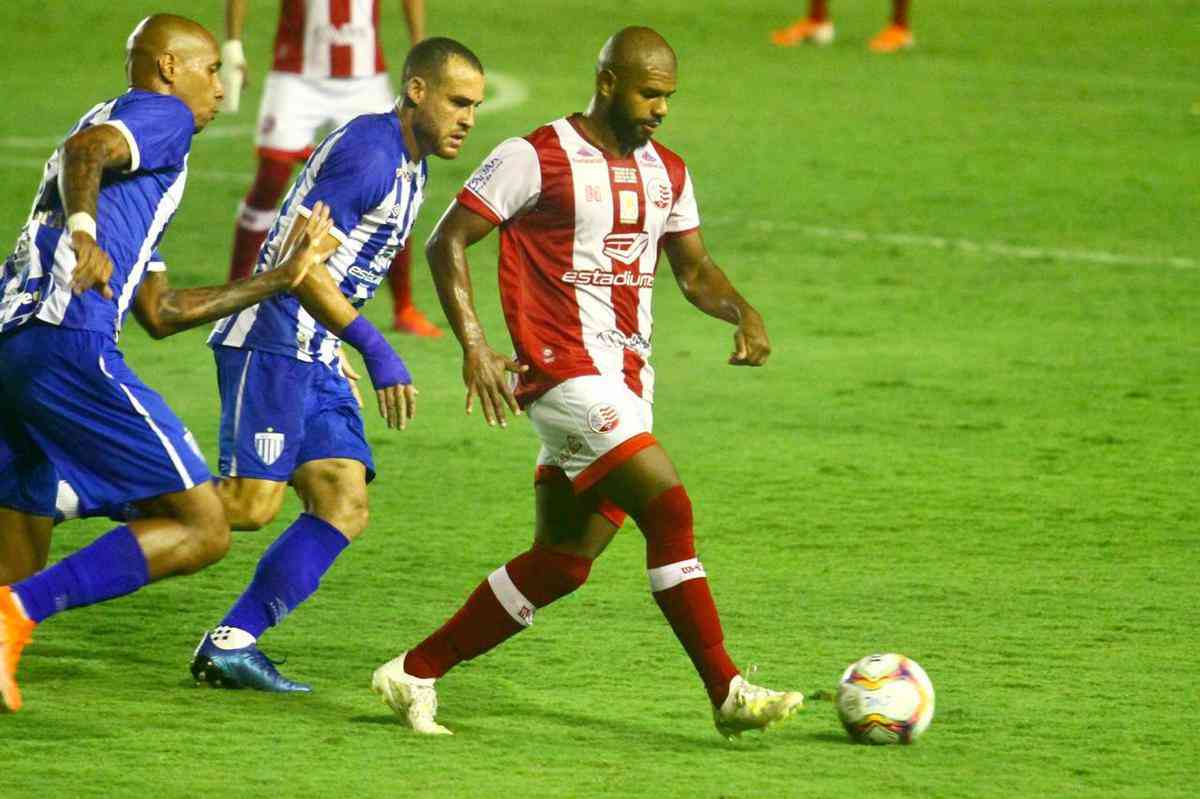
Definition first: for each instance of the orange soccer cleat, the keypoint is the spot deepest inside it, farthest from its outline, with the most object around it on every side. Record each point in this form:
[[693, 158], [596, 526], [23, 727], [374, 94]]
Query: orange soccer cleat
[[15, 632], [804, 30], [410, 320], [891, 39]]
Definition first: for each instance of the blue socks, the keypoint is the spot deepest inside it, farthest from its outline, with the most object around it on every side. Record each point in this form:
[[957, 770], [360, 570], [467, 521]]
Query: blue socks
[[111, 566], [288, 573]]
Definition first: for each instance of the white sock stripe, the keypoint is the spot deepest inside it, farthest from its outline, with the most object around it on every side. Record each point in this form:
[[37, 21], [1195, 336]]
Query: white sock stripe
[[673, 574], [509, 596], [255, 219]]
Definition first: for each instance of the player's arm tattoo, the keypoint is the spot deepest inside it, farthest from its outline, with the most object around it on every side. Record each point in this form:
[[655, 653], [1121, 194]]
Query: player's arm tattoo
[[85, 156], [164, 311], [702, 281]]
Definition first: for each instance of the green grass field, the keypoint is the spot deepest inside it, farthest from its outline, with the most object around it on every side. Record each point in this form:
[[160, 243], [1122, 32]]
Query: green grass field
[[976, 441]]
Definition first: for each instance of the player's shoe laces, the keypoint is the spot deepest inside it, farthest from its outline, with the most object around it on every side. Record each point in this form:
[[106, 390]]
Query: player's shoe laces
[[16, 630], [245, 667], [413, 699], [411, 320], [752, 707], [803, 31], [891, 39]]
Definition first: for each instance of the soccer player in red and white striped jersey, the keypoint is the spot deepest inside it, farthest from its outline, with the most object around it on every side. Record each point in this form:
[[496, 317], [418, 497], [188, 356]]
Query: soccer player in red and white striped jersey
[[328, 68], [584, 204]]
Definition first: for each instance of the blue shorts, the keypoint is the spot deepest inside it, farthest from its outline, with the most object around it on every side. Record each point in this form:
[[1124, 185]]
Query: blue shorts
[[279, 412], [71, 409]]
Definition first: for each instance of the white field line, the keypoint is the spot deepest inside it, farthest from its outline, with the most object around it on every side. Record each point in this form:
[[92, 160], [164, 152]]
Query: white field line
[[504, 92], [971, 247]]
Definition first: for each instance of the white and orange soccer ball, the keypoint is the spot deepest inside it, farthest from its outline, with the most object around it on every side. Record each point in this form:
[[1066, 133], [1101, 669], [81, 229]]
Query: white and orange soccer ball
[[885, 699]]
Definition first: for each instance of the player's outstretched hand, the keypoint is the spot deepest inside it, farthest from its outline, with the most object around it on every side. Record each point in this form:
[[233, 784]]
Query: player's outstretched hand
[[485, 374], [312, 247], [750, 344], [92, 266], [397, 404]]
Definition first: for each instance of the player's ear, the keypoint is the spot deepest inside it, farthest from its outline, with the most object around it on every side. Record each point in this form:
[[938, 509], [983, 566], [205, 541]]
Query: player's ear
[[167, 66], [415, 89], [606, 83]]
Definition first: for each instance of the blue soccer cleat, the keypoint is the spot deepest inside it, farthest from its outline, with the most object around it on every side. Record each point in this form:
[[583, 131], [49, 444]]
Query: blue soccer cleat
[[244, 667]]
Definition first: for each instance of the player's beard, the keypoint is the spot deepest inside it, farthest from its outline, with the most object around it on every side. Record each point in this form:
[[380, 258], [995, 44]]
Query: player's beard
[[628, 130]]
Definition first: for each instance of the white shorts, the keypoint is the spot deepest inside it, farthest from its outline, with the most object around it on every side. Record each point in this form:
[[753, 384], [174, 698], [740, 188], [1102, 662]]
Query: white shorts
[[295, 108], [589, 426]]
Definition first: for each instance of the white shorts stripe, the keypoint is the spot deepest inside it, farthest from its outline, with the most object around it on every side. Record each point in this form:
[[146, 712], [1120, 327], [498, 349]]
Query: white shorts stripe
[[172, 453], [237, 413], [506, 591], [673, 574]]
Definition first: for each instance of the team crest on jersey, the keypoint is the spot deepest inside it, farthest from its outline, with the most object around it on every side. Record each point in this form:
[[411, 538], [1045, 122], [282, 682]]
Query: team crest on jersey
[[268, 445], [626, 247], [659, 193], [603, 418]]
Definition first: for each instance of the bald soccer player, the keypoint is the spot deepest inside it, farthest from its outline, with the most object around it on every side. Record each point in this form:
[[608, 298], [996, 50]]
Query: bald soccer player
[[69, 405], [584, 204]]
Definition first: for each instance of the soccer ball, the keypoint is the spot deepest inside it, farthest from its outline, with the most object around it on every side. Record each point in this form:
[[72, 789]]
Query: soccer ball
[[885, 699]]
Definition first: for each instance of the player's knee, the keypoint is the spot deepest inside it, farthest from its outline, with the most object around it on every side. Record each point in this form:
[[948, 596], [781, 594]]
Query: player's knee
[[251, 515], [210, 536], [564, 571], [667, 523], [336, 491], [251, 506]]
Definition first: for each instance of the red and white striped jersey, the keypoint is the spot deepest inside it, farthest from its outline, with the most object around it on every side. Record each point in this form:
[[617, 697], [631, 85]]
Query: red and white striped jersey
[[329, 39], [579, 240]]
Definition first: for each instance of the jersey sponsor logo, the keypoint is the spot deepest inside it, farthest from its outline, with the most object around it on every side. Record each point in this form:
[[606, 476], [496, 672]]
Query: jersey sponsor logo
[[365, 275], [624, 174], [648, 157], [346, 34], [626, 247], [586, 155], [598, 277], [484, 174], [268, 445], [603, 418], [629, 206], [615, 339], [659, 192]]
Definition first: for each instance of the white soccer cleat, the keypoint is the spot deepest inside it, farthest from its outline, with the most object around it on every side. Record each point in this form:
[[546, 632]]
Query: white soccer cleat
[[413, 699], [752, 707]]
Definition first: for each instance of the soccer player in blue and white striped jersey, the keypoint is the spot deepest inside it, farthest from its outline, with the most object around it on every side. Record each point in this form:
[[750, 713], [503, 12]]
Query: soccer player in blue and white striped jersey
[[70, 407], [288, 415]]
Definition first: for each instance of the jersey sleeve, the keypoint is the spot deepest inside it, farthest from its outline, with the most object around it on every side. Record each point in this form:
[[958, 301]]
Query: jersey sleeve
[[685, 214], [351, 181], [158, 129], [507, 183], [156, 262]]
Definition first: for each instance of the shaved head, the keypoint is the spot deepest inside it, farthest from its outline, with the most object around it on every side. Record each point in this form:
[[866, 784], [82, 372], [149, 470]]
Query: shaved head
[[168, 54], [635, 49], [157, 35]]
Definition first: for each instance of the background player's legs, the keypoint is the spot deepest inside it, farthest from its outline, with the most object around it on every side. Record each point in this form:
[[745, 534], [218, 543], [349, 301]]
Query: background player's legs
[[816, 28], [251, 503], [648, 488], [569, 535], [257, 210], [897, 35], [406, 317], [24, 544]]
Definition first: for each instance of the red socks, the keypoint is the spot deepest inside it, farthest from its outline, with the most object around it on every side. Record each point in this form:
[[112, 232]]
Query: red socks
[[679, 585], [900, 13], [818, 10], [498, 609], [256, 213], [400, 279]]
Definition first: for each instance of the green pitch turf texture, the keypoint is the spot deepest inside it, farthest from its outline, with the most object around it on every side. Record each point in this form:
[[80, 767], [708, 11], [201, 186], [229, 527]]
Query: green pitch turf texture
[[975, 443]]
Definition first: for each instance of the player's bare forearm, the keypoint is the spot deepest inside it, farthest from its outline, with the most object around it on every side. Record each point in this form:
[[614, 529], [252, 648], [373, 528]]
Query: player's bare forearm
[[702, 282], [324, 301], [164, 311], [85, 156], [235, 18], [446, 252], [414, 17]]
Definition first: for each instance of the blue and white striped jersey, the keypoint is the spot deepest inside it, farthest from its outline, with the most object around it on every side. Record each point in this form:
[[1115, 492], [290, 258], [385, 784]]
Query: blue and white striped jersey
[[363, 173], [132, 212]]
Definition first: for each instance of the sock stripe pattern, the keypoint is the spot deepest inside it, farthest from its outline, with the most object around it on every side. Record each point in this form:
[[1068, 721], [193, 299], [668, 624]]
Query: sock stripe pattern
[[510, 597], [673, 574]]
